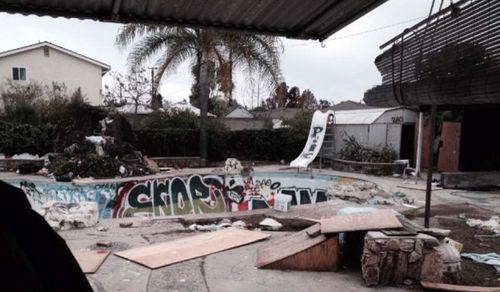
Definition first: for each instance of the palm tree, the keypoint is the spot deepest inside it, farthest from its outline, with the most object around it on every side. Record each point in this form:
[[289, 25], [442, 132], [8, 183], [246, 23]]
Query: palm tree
[[175, 45]]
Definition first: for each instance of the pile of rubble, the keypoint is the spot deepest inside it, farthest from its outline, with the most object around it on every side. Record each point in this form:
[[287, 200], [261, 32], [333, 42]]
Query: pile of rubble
[[365, 193]]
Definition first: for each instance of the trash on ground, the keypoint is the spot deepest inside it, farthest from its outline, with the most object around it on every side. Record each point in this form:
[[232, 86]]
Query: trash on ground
[[493, 224], [491, 258], [270, 224], [126, 224]]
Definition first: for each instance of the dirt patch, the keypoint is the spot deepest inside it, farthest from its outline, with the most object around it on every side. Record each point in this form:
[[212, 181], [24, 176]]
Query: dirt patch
[[472, 273]]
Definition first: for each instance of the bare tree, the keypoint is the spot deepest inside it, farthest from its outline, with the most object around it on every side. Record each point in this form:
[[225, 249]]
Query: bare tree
[[133, 89]]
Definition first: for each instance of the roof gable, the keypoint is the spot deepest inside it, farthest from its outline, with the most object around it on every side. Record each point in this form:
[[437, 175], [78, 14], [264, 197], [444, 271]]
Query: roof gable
[[239, 112], [105, 67]]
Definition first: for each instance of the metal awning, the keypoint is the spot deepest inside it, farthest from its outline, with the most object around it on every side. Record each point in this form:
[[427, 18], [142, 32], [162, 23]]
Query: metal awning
[[301, 19]]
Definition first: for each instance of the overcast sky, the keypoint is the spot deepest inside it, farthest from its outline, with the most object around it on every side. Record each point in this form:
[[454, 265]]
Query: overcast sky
[[342, 70]]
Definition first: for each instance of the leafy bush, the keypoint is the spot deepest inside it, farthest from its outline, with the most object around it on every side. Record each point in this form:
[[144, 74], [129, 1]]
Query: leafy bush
[[20, 138], [172, 118], [354, 151]]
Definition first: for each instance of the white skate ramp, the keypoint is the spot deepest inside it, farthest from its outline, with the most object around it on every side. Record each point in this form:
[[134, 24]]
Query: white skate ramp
[[315, 139]]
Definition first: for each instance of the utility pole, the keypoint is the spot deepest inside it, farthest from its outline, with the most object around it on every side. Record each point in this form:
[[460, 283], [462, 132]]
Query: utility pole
[[154, 103]]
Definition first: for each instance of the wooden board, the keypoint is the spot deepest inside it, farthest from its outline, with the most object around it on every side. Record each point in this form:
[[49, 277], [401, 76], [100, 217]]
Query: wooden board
[[457, 288], [170, 252], [90, 260], [321, 257], [300, 251], [418, 187], [382, 219]]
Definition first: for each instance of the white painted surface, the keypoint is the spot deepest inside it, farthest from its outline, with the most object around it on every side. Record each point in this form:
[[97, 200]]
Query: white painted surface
[[314, 141], [60, 66]]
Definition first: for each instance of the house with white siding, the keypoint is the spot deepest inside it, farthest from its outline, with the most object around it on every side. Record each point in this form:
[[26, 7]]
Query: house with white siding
[[46, 63]]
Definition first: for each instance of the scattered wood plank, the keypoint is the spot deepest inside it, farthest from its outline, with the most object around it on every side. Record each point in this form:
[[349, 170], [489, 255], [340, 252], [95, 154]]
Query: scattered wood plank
[[300, 251], [90, 260], [457, 288], [418, 187], [382, 219], [170, 252]]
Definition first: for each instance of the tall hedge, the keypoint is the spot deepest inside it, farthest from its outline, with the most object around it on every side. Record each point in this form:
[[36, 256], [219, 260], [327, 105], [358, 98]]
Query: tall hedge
[[270, 145]]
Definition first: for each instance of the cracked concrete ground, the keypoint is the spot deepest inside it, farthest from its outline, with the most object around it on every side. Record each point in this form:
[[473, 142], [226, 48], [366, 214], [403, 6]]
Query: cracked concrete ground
[[231, 270]]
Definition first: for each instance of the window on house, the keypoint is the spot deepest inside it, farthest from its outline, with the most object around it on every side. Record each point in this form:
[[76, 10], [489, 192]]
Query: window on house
[[46, 51], [18, 73]]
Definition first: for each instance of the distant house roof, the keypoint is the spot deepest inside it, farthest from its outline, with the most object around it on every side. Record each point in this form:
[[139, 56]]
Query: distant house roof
[[238, 112], [359, 117], [350, 105], [280, 113], [105, 68]]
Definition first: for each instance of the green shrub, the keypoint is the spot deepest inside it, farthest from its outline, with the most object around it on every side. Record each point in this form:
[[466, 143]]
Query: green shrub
[[20, 138], [354, 151], [172, 118]]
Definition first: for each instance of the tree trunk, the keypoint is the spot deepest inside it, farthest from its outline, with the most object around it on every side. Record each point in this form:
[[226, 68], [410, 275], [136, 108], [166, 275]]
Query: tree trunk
[[204, 93]]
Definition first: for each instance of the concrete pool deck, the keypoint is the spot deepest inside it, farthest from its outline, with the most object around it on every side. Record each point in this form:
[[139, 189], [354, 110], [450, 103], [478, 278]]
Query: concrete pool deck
[[234, 270]]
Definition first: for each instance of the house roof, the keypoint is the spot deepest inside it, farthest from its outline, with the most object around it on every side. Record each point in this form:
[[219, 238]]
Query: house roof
[[350, 105], [105, 67], [359, 117], [231, 110], [279, 113], [301, 19]]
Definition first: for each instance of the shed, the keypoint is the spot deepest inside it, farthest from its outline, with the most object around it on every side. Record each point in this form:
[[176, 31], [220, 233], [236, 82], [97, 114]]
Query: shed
[[376, 127]]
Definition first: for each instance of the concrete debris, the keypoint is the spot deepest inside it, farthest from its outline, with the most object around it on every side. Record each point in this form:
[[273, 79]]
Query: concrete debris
[[233, 166], [64, 215], [96, 140], [492, 225], [367, 193], [225, 221], [239, 224], [101, 229], [209, 227], [44, 172], [270, 224]]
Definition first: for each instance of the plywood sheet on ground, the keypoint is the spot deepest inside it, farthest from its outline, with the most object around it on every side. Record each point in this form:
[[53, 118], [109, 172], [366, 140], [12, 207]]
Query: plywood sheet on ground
[[457, 288], [313, 256], [418, 187], [383, 219], [170, 252], [300, 251], [90, 260]]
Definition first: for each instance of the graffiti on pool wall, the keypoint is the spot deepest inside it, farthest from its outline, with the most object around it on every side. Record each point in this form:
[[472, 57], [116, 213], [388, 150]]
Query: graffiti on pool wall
[[39, 193], [193, 194], [170, 196], [198, 194]]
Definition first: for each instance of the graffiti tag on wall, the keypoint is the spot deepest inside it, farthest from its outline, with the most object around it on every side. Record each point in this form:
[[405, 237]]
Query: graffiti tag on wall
[[179, 195]]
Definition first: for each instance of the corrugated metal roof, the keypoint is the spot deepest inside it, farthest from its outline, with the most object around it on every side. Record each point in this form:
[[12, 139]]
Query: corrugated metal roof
[[359, 117], [316, 19]]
